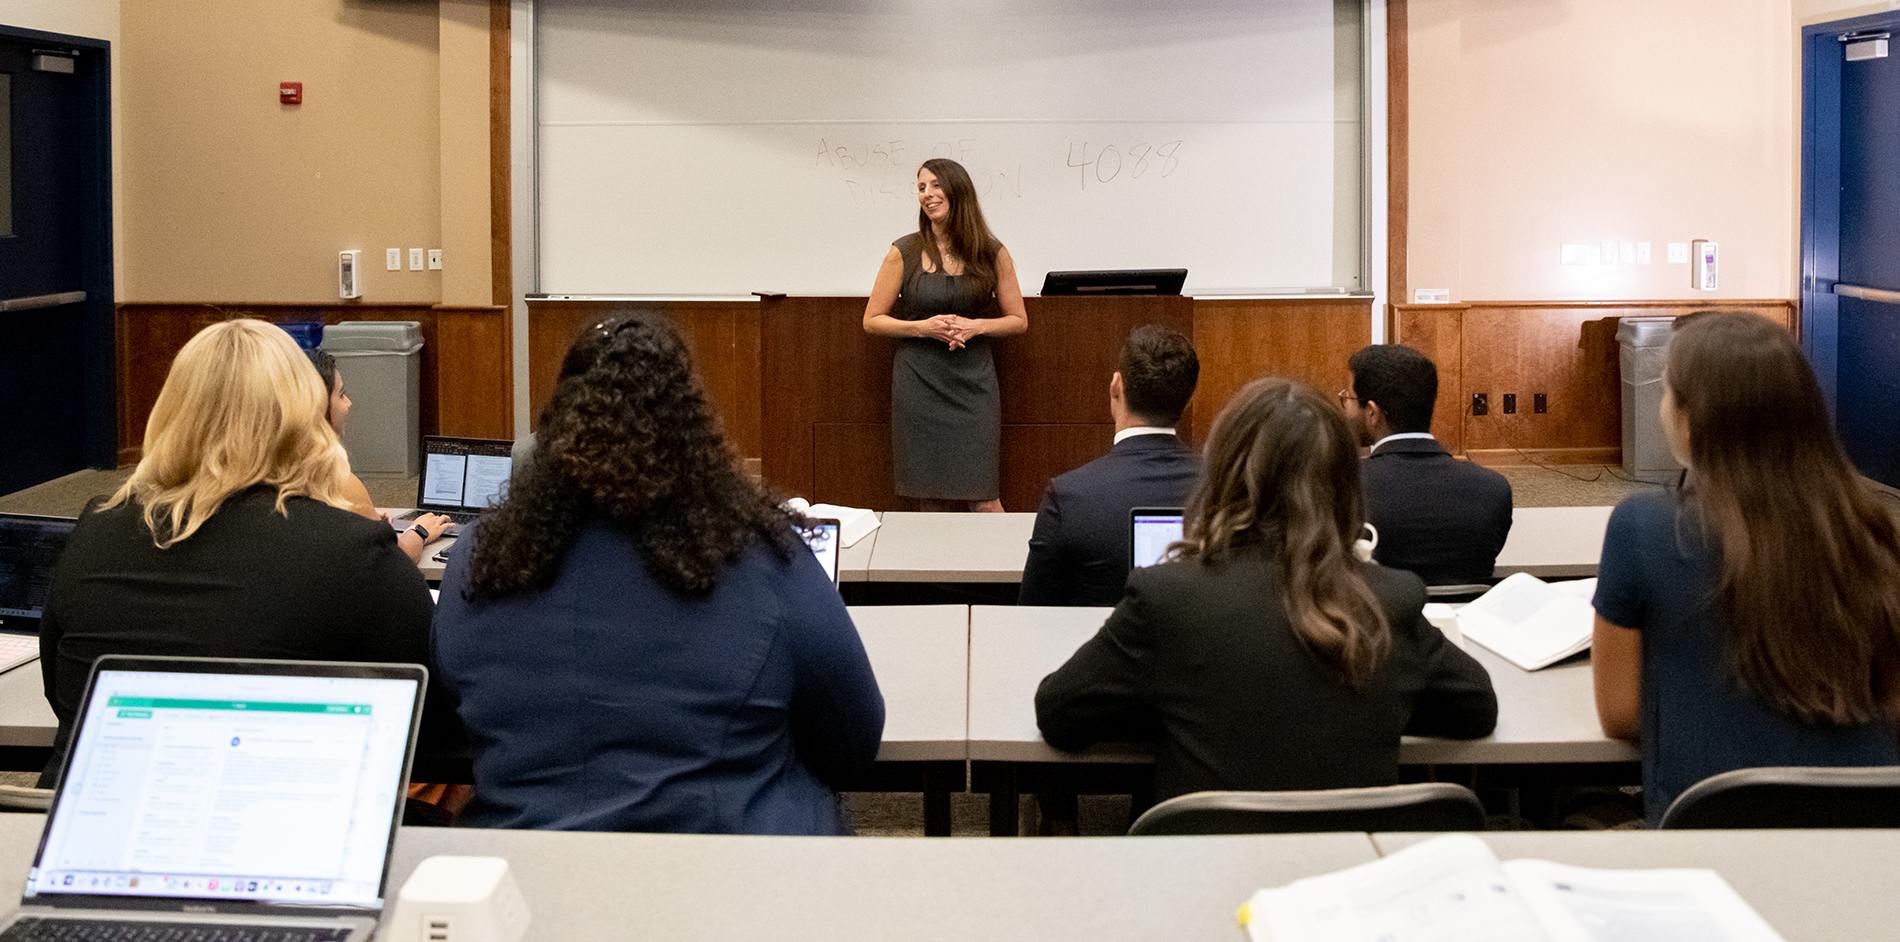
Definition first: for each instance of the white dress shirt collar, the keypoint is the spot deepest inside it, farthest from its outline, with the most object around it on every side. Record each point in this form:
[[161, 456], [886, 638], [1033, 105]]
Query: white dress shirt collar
[[1393, 438], [1128, 433]]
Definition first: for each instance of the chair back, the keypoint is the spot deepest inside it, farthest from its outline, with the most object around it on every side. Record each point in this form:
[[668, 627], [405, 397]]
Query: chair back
[[22, 798], [1790, 797], [1427, 806]]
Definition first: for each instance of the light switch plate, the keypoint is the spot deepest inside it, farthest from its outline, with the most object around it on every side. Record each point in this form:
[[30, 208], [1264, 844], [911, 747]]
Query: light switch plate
[[415, 259], [1431, 295], [392, 260], [1678, 253]]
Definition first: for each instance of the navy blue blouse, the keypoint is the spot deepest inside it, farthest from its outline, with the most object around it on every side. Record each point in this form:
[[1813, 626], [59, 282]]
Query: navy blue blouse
[[1658, 576], [608, 702]]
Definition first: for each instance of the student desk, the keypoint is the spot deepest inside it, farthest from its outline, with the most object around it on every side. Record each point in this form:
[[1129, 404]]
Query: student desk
[[1809, 885], [1545, 718], [919, 654], [853, 565], [686, 887], [1554, 541]]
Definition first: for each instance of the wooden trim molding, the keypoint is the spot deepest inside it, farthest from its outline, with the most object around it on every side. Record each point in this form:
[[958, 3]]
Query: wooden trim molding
[[1564, 349], [500, 141]]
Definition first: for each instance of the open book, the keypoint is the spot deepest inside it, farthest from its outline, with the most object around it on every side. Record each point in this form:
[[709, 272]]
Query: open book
[[1530, 622], [854, 523], [1453, 889]]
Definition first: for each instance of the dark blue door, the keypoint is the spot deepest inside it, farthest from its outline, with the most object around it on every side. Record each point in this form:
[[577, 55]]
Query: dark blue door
[[1868, 291], [56, 353]]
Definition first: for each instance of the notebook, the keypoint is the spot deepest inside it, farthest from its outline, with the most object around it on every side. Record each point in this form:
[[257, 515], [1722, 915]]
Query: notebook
[[461, 477], [1453, 887], [258, 799], [1150, 531], [29, 548], [1530, 622]]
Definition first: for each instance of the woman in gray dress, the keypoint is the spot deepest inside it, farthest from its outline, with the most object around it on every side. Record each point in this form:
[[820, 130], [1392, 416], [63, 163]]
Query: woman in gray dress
[[943, 291]]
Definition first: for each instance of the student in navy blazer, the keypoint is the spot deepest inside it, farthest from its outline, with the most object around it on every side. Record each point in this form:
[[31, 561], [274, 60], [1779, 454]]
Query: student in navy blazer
[[638, 637], [1078, 552], [1440, 518]]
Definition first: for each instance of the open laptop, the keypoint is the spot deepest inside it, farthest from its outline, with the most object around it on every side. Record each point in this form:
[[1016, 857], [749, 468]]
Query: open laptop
[[249, 799], [461, 477], [29, 548], [1150, 531], [826, 543]]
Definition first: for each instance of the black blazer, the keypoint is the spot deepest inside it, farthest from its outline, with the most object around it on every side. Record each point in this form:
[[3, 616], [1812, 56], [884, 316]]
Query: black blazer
[[1078, 554], [318, 584], [1200, 656], [1440, 518]]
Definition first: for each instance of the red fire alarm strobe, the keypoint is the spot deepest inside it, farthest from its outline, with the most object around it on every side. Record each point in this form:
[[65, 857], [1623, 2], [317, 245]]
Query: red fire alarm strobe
[[290, 93]]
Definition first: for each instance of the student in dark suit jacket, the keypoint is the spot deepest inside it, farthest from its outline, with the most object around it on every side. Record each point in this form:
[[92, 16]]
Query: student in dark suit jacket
[[1265, 656], [234, 537], [1439, 518], [638, 636], [1078, 554]]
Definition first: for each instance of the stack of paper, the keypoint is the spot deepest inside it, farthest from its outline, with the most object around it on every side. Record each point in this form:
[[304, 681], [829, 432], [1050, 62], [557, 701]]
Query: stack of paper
[[1453, 888], [854, 523], [1530, 622]]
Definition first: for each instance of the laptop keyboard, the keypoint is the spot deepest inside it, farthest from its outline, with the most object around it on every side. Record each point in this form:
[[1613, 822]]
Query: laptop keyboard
[[30, 929], [458, 518]]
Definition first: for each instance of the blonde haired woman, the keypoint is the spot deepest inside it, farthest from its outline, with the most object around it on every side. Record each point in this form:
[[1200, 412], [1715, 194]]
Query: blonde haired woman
[[233, 537], [1265, 656]]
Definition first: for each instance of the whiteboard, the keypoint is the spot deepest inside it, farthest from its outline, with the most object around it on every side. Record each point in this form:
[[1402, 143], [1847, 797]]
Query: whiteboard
[[730, 147]]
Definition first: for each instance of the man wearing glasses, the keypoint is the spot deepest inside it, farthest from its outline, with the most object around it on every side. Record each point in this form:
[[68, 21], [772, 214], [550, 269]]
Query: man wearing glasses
[[1439, 517]]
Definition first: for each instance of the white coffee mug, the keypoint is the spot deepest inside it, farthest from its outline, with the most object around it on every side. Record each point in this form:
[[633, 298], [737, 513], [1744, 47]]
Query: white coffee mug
[[1364, 546]]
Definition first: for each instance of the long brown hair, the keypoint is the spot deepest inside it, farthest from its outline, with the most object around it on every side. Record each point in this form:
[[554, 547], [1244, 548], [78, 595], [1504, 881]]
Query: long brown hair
[[970, 237], [1283, 472], [1809, 561]]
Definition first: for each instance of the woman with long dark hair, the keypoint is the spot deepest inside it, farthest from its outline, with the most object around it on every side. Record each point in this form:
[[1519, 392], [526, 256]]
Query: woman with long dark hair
[[1751, 618], [1264, 655], [638, 636], [943, 291]]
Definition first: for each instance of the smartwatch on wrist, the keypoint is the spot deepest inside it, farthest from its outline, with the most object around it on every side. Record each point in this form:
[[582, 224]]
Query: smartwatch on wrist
[[420, 531]]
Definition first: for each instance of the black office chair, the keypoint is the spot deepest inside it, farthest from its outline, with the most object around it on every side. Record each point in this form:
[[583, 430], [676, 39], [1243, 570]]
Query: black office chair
[[1428, 806], [1867, 797]]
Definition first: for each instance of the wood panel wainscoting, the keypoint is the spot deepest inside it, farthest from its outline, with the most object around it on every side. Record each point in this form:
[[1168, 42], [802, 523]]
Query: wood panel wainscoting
[[1564, 349], [798, 384], [466, 386]]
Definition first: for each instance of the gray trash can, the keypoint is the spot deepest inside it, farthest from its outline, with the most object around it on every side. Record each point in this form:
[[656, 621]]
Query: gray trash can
[[381, 363], [1643, 349]]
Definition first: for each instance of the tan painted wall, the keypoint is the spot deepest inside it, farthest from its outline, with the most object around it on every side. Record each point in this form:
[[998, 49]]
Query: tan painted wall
[[1540, 122], [92, 19], [467, 271], [229, 196]]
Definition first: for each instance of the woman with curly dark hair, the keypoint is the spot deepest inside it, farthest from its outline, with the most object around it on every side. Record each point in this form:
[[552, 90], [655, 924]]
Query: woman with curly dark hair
[[639, 639]]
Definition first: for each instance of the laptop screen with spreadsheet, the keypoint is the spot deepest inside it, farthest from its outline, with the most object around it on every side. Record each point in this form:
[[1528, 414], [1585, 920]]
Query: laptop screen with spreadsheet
[[246, 782]]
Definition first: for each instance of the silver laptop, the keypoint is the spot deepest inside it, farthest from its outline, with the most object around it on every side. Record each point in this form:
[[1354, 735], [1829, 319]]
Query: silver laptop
[[461, 477], [249, 799], [1151, 530]]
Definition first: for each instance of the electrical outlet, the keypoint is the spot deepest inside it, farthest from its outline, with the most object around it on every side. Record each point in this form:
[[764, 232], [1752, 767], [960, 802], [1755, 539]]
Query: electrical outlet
[[435, 259], [1510, 403], [392, 259], [1480, 404], [1540, 403]]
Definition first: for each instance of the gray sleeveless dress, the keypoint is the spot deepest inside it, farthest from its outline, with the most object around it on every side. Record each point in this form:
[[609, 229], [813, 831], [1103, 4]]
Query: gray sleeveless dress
[[946, 413]]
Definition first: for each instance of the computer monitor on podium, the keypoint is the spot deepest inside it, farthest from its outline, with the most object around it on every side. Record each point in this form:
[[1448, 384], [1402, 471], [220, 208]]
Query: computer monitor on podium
[[1122, 281]]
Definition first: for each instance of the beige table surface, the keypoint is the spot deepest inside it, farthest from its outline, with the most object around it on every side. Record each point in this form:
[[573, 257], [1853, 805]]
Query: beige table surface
[[1548, 716], [931, 547], [919, 653], [1809, 885], [687, 887], [1554, 541]]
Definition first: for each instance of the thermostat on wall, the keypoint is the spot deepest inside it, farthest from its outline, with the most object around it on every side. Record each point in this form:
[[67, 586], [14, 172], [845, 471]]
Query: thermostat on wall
[[1702, 265], [348, 263]]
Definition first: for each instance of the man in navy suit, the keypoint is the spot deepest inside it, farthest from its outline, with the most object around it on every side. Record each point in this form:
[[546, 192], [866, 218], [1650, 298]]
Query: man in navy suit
[[1078, 554], [1439, 517]]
